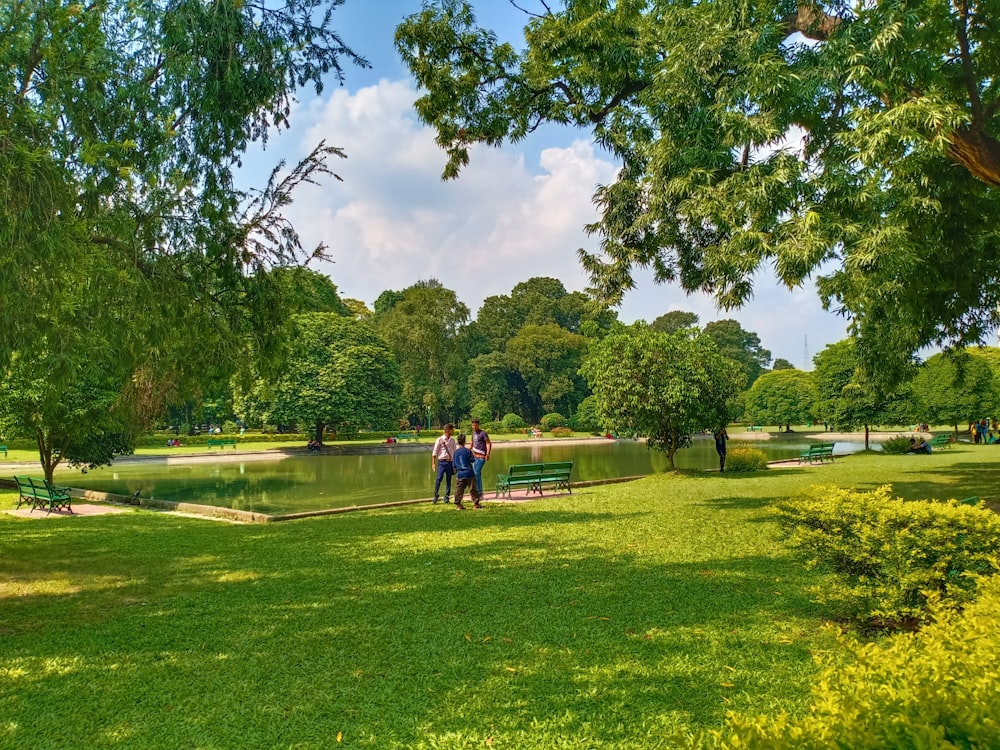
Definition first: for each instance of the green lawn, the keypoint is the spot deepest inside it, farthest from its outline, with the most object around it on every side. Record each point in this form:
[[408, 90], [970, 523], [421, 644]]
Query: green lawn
[[610, 619]]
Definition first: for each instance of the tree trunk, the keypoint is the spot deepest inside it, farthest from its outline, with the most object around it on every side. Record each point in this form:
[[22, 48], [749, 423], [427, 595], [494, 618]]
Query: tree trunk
[[45, 455], [670, 457], [320, 429], [866, 437], [978, 152]]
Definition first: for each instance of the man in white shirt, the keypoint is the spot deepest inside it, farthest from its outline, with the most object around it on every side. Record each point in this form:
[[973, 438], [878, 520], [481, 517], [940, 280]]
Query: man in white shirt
[[441, 460]]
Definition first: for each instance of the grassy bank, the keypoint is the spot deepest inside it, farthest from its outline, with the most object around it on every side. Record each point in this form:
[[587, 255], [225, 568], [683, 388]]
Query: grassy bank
[[610, 619]]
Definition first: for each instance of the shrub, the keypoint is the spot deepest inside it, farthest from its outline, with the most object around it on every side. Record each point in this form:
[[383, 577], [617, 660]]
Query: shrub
[[229, 427], [745, 458], [552, 420], [562, 432], [890, 556], [896, 444], [513, 422], [934, 689]]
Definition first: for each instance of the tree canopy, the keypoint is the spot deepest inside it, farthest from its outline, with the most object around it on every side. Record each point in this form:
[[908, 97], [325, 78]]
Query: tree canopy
[[126, 243], [663, 386], [782, 397], [860, 136], [336, 371]]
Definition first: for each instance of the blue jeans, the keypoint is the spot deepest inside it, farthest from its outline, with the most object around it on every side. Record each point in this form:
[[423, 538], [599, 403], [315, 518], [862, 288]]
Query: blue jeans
[[445, 469], [477, 469]]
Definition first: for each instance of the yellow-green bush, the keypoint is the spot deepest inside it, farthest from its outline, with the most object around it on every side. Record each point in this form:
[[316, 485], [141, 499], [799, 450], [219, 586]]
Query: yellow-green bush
[[890, 555], [938, 689], [744, 458]]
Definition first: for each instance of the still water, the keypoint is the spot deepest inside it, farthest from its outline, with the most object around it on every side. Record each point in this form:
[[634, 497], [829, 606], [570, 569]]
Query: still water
[[314, 482]]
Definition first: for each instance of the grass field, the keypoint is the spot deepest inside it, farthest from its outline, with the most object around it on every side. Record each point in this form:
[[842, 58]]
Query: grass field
[[617, 617]]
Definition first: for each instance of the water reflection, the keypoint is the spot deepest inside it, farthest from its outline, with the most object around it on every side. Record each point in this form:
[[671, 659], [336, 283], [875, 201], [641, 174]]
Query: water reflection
[[314, 482]]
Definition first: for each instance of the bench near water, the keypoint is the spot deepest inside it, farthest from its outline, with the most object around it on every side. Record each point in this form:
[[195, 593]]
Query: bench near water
[[818, 452], [41, 493], [221, 442], [534, 477], [4, 449]]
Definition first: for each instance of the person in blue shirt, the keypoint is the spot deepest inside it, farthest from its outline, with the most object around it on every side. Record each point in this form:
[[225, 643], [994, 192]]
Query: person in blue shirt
[[466, 476]]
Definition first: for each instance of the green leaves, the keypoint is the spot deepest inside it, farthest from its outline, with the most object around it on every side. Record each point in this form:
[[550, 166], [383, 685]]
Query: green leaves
[[871, 143], [662, 386]]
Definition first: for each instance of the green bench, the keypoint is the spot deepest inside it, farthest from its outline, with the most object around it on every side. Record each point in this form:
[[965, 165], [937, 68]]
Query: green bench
[[534, 477], [4, 449], [754, 428], [940, 441], [221, 442], [40, 493], [819, 452], [410, 437]]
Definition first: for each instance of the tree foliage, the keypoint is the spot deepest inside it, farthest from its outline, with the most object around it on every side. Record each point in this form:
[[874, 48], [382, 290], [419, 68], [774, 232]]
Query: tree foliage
[[663, 386], [674, 320], [782, 397], [847, 398], [955, 389], [336, 371], [741, 346], [424, 326], [125, 242], [753, 134]]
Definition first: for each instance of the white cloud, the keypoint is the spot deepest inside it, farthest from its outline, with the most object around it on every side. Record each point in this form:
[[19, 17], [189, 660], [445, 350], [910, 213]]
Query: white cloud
[[510, 216]]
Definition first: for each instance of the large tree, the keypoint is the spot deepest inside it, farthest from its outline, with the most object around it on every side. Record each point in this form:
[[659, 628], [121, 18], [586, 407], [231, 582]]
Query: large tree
[[847, 399], [424, 326], [956, 389], [335, 371], [548, 359], [741, 346], [782, 397], [861, 136], [126, 244], [663, 386]]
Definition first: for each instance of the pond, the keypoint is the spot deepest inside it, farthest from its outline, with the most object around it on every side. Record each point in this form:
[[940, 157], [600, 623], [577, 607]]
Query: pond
[[309, 482]]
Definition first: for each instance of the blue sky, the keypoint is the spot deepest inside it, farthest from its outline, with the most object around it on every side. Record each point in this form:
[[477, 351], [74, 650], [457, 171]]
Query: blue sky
[[515, 213]]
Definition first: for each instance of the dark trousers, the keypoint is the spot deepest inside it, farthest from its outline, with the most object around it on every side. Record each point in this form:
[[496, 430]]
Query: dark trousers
[[445, 469], [467, 482], [722, 457]]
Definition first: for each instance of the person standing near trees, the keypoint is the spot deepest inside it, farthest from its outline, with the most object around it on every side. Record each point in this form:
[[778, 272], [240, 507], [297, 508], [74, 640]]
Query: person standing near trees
[[442, 461], [482, 446], [721, 436]]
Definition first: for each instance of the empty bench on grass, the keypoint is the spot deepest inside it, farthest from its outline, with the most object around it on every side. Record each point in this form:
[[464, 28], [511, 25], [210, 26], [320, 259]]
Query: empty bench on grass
[[4, 449], [755, 428], [410, 437], [535, 477], [818, 452], [41, 493], [940, 441], [221, 442]]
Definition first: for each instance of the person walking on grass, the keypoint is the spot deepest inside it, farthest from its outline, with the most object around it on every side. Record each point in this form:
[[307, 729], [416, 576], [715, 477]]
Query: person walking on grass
[[482, 446], [721, 436], [442, 461], [465, 475]]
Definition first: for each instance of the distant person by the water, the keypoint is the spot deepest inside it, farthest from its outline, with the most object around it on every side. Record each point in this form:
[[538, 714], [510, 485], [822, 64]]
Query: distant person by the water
[[721, 436]]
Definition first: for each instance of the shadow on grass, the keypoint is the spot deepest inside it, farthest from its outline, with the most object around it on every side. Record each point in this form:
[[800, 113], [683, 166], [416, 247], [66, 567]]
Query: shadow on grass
[[391, 628]]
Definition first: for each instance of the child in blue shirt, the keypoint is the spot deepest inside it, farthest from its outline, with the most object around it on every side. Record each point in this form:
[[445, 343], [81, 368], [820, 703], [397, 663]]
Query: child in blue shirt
[[465, 475]]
